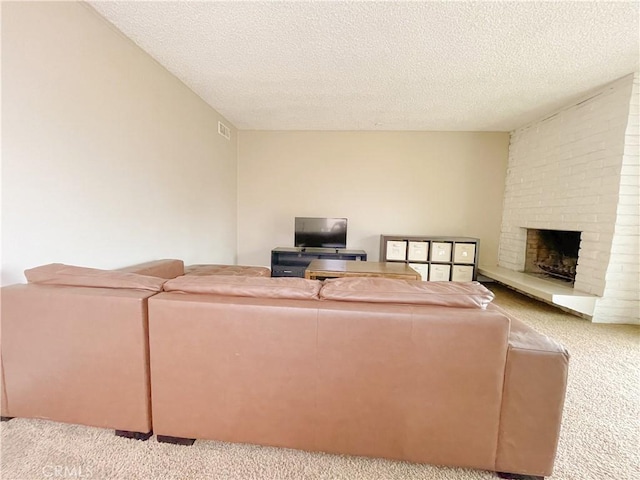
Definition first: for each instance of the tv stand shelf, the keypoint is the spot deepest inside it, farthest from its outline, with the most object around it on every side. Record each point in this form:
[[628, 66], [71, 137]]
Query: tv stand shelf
[[293, 261]]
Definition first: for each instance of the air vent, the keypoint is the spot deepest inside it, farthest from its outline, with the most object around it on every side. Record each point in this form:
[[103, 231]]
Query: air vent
[[224, 130]]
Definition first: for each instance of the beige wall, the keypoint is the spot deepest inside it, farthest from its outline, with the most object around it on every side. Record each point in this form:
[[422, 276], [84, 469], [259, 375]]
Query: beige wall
[[431, 183], [107, 159]]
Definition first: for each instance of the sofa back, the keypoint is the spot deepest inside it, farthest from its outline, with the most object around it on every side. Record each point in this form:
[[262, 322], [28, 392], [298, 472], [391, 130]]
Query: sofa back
[[77, 355], [75, 344], [414, 382], [167, 268]]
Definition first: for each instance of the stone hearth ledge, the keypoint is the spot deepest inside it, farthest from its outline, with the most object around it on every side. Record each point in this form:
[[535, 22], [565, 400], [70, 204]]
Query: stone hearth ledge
[[546, 290]]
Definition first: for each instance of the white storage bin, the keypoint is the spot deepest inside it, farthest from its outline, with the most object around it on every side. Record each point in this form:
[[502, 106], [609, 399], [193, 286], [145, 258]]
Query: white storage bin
[[465, 253], [418, 251], [422, 269], [440, 252], [396, 250], [439, 273], [462, 273]]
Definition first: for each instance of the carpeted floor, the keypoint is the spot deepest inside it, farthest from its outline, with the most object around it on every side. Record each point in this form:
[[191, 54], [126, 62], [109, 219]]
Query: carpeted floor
[[600, 438]]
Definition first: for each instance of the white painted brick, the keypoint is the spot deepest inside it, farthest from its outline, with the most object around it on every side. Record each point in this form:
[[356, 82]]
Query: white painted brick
[[628, 220], [626, 309], [617, 276], [627, 240], [612, 160], [628, 190], [632, 267], [627, 250], [626, 230], [589, 237], [614, 268], [630, 199], [565, 173], [624, 286], [632, 155], [620, 306], [631, 209], [608, 198], [625, 282], [630, 181], [628, 169], [605, 219], [623, 295], [610, 187], [588, 262]]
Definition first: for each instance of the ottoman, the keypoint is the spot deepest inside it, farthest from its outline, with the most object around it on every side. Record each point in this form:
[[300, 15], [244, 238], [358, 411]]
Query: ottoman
[[238, 270]]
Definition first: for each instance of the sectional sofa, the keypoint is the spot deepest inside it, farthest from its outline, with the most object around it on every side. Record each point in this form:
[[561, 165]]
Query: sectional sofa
[[427, 372], [75, 343]]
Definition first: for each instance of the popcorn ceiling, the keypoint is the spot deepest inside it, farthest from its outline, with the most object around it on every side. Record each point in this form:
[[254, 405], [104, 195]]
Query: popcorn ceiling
[[466, 66]]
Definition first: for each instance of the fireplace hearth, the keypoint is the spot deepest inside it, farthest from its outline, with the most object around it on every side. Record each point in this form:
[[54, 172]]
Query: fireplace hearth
[[552, 253]]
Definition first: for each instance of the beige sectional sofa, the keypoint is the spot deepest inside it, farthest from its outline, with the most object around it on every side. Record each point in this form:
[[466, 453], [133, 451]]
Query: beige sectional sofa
[[420, 371]]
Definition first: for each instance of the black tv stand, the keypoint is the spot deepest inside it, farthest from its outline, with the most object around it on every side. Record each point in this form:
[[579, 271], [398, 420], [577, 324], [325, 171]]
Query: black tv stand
[[293, 261]]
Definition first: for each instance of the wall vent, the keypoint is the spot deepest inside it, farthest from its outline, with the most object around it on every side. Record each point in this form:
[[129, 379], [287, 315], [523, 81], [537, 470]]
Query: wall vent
[[224, 130]]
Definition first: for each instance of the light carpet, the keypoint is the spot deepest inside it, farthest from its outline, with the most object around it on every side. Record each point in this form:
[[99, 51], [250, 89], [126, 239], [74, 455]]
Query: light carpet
[[600, 437]]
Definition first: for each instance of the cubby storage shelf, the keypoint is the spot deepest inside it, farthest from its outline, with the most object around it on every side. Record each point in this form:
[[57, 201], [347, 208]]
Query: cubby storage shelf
[[437, 259]]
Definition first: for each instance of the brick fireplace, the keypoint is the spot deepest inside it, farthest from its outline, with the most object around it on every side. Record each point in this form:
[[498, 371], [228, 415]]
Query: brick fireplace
[[577, 170], [552, 254]]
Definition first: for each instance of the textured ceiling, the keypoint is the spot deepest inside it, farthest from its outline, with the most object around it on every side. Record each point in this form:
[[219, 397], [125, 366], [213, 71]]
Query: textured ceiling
[[385, 65]]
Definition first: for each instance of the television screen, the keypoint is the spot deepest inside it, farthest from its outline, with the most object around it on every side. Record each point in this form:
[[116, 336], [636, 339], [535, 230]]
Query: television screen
[[321, 232]]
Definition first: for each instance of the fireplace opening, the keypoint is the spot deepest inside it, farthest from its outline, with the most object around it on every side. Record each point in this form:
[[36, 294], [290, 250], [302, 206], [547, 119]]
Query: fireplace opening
[[552, 253]]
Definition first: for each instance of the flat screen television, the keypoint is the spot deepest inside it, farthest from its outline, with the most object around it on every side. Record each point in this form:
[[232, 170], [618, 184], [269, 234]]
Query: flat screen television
[[320, 232]]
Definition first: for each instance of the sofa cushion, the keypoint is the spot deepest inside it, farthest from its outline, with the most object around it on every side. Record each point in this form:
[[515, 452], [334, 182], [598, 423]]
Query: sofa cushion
[[166, 268], [60, 274], [240, 286], [238, 270], [389, 290]]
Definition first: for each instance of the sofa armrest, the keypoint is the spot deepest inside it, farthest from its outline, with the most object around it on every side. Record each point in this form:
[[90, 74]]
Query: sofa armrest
[[533, 399]]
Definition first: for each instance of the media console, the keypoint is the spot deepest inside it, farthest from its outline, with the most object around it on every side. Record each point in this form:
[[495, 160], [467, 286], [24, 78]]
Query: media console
[[293, 261]]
